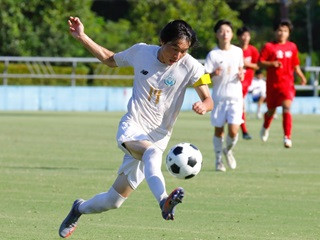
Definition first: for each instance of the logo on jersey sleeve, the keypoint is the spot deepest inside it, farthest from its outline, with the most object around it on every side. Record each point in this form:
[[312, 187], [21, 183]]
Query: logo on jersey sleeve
[[169, 81], [144, 72]]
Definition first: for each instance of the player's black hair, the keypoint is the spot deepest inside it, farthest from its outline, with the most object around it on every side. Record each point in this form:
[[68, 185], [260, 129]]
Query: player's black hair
[[259, 71], [242, 30], [222, 22], [178, 29], [284, 22]]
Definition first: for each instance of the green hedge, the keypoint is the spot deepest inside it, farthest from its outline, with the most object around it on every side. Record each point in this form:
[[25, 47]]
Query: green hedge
[[83, 69]]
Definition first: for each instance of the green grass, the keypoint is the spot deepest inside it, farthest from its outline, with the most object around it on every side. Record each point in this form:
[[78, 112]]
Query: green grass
[[49, 159]]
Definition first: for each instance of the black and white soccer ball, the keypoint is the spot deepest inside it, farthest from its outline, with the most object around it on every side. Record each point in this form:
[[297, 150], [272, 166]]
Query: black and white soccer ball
[[184, 160]]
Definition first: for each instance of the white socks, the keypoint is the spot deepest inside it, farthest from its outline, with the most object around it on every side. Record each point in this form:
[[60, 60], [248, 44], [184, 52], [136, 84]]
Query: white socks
[[231, 142], [152, 159], [102, 202], [217, 143]]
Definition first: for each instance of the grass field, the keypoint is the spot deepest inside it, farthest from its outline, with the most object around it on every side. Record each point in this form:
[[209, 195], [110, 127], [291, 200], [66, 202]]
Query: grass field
[[47, 160]]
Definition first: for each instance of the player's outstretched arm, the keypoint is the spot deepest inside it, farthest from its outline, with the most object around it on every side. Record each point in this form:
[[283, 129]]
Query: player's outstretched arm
[[77, 31], [206, 103]]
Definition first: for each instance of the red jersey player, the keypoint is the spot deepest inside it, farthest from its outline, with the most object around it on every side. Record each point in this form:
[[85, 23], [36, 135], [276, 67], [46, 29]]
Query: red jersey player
[[250, 57], [280, 57]]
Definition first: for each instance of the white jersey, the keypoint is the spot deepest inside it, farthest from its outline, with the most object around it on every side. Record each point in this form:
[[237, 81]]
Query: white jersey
[[258, 87], [158, 89], [227, 86]]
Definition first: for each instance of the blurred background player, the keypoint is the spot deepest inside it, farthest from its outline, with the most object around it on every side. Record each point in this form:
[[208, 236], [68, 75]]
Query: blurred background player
[[250, 60], [162, 75], [258, 91], [280, 58], [225, 64]]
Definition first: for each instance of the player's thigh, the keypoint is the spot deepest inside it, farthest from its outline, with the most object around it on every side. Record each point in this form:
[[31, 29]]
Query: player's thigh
[[234, 113], [137, 148], [219, 114], [132, 139]]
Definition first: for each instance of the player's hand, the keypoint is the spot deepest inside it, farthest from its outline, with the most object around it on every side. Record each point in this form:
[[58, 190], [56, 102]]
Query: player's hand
[[199, 108], [303, 81], [277, 64], [241, 75], [76, 27], [217, 72]]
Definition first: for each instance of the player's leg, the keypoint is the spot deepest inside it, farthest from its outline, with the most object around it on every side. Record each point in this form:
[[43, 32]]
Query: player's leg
[[218, 146], [245, 134], [231, 140], [151, 156], [218, 119], [268, 117], [287, 122], [259, 104], [234, 120], [101, 202]]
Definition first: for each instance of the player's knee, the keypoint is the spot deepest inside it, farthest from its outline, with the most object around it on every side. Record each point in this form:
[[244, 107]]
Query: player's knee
[[286, 109]]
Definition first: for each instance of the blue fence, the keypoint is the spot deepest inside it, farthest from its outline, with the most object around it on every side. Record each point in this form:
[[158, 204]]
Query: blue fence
[[41, 98]]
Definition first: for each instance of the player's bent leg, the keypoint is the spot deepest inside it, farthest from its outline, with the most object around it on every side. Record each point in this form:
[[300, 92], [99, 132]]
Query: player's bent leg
[[169, 204], [102, 202], [152, 159], [99, 203]]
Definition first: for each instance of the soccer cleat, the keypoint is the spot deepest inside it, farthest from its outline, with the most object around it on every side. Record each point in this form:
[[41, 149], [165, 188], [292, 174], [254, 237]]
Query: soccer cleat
[[231, 161], [69, 224], [264, 134], [246, 136], [220, 167], [169, 204], [287, 142]]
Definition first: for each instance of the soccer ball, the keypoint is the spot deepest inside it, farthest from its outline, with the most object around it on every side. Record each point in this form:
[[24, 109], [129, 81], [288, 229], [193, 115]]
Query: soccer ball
[[184, 160]]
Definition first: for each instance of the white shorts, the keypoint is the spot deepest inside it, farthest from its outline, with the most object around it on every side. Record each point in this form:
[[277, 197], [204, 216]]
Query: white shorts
[[131, 167], [227, 111]]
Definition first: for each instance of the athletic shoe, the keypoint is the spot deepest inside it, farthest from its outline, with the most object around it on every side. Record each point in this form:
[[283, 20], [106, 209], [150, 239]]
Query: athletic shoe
[[70, 222], [246, 136], [231, 161], [169, 204], [220, 167], [287, 142], [264, 134]]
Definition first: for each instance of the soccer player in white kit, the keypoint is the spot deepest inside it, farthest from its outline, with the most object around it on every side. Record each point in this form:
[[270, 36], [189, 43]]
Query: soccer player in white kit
[[225, 65], [161, 76]]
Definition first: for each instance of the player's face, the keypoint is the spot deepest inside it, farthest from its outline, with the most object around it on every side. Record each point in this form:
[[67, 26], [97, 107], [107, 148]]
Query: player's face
[[245, 38], [224, 34], [172, 52], [282, 34]]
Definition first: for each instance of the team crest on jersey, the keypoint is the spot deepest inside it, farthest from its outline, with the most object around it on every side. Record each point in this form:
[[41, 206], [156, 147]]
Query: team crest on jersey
[[169, 81]]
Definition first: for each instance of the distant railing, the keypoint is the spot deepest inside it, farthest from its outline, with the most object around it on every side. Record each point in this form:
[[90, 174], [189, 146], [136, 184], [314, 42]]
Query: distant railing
[[41, 67]]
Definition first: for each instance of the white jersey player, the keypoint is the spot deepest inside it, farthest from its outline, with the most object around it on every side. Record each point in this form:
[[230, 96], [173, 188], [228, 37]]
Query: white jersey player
[[161, 76], [225, 65]]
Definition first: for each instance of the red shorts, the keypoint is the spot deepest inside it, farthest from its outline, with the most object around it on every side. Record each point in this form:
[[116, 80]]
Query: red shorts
[[275, 97]]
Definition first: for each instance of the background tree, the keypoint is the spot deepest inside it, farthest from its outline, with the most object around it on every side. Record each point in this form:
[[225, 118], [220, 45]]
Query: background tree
[[149, 16], [39, 28]]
